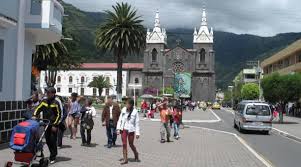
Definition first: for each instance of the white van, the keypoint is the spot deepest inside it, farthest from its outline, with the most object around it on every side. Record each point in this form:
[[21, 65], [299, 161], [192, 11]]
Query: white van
[[253, 115]]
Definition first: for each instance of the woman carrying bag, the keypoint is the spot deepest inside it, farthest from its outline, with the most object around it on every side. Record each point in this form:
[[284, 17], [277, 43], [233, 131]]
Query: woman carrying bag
[[87, 123], [128, 128]]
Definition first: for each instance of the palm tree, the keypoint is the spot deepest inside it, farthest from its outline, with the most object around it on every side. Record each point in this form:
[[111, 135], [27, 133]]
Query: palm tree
[[100, 83], [53, 57], [122, 34]]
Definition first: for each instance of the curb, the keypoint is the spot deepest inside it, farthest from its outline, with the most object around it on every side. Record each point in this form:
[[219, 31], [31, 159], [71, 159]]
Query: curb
[[286, 134]]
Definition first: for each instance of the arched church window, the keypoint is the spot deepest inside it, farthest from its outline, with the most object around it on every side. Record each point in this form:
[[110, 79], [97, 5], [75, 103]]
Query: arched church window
[[136, 80], [59, 79], [202, 55], [70, 79], [82, 79], [154, 55], [178, 67]]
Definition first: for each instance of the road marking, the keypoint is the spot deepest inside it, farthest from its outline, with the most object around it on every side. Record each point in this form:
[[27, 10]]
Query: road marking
[[266, 162], [216, 116]]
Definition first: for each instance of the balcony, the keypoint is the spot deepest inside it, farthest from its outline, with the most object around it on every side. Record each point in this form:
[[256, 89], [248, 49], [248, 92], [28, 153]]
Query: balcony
[[43, 19]]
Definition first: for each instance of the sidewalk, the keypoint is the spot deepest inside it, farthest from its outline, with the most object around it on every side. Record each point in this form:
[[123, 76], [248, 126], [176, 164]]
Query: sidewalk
[[196, 147], [291, 125]]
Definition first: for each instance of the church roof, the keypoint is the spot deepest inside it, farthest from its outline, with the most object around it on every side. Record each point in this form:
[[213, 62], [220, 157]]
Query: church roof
[[111, 66], [203, 35]]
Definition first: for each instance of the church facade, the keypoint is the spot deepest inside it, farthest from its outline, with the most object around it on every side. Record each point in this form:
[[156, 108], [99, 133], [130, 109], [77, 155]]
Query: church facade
[[162, 65]]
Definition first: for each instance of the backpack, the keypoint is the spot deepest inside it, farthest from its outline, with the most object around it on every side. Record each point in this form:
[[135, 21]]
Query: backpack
[[87, 121]]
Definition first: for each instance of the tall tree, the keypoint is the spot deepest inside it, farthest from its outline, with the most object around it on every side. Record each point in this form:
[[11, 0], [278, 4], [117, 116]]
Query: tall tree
[[100, 83], [250, 91], [52, 58], [282, 89], [122, 34]]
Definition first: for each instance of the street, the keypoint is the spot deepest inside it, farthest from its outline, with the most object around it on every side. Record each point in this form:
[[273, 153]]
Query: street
[[279, 150]]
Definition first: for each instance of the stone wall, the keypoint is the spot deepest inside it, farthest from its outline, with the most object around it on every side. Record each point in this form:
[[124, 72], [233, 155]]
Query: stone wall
[[10, 115]]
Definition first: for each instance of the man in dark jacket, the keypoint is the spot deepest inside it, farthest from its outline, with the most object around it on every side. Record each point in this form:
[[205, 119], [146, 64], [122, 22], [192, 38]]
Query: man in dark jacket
[[51, 108], [110, 116]]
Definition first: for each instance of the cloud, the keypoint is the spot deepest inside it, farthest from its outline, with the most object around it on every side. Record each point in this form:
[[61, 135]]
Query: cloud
[[260, 17]]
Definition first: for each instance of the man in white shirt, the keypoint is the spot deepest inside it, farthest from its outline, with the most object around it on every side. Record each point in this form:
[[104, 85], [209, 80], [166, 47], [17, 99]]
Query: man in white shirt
[[110, 115]]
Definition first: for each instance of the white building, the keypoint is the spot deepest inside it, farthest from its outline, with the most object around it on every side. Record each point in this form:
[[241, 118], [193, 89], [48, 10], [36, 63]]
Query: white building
[[249, 75], [78, 80], [23, 25]]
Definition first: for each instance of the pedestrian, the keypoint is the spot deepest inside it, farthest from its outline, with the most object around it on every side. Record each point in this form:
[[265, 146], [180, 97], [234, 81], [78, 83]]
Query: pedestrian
[[144, 107], [73, 114], [110, 115], [88, 112], [164, 115], [50, 107], [62, 126], [177, 117], [128, 127]]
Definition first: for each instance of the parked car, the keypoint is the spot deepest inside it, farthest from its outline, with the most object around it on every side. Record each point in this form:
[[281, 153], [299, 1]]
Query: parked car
[[253, 115], [216, 106]]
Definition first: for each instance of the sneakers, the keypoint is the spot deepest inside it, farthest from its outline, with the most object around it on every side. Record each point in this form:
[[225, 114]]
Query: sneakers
[[52, 161], [162, 141]]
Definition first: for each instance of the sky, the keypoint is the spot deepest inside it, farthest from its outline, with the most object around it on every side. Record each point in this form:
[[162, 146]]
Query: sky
[[258, 17]]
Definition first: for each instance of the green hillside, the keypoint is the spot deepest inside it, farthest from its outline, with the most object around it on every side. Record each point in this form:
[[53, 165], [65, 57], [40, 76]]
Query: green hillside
[[232, 50]]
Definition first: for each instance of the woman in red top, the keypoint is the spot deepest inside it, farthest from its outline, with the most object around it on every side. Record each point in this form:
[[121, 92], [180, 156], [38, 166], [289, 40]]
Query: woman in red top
[[144, 107], [177, 117]]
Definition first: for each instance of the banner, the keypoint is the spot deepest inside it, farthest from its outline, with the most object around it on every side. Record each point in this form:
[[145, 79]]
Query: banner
[[182, 85]]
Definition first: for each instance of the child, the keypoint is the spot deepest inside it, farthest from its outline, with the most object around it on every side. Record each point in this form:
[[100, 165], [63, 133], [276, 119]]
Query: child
[[177, 117]]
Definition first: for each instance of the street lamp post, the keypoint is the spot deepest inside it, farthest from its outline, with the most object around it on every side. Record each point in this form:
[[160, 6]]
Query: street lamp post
[[134, 86]]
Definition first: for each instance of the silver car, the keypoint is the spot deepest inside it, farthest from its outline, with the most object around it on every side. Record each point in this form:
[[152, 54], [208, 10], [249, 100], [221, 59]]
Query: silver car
[[253, 115]]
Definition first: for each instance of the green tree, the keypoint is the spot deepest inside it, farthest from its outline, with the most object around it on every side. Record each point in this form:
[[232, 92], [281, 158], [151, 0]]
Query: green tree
[[53, 57], [100, 83], [122, 34], [250, 91], [282, 89]]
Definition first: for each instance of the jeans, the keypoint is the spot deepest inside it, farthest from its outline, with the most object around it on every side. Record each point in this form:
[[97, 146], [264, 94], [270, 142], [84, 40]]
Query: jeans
[[111, 134], [83, 135], [164, 128], [176, 127], [51, 141]]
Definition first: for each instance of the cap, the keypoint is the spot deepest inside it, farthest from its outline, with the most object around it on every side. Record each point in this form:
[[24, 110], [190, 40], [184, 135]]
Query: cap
[[51, 90]]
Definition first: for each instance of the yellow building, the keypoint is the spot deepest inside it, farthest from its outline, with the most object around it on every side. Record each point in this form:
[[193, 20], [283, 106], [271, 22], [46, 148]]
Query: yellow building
[[285, 61]]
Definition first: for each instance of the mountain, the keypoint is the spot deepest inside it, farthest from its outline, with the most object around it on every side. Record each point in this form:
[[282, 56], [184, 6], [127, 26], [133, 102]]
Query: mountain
[[232, 50]]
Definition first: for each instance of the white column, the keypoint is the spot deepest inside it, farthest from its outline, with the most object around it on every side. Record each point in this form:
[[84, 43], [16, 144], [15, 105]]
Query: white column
[[20, 50]]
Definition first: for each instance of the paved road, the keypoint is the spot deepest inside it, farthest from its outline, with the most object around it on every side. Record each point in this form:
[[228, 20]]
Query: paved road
[[280, 151]]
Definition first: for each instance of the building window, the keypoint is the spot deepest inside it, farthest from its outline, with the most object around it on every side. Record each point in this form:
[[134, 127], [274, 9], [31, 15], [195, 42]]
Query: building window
[[59, 79], [82, 79], [136, 80], [70, 79], [299, 58], [202, 55], [35, 7], [58, 90], [107, 92], [154, 55], [108, 79], [94, 91], [70, 90], [82, 91], [1, 62]]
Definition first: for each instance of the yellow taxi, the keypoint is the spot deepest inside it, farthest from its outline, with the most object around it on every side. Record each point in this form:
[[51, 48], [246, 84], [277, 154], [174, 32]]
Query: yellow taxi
[[216, 106]]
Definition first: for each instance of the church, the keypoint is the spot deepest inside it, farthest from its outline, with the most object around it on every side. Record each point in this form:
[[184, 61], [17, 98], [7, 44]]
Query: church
[[189, 71]]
